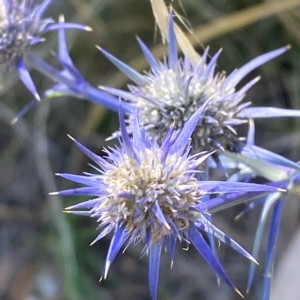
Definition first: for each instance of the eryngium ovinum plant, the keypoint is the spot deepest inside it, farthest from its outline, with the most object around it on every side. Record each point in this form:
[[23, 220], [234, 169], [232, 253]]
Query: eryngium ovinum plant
[[167, 96], [21, 27], [147, 191]]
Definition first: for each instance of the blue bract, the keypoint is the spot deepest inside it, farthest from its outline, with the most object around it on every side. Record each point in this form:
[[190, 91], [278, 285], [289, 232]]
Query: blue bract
[[149, 192]]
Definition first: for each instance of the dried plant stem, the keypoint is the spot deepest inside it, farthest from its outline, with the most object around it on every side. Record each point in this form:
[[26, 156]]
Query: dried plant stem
[[65, 251]]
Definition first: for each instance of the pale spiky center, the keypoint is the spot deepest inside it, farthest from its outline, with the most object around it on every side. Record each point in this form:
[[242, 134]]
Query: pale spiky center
[[18, 26], [168, 184], [171, 98]]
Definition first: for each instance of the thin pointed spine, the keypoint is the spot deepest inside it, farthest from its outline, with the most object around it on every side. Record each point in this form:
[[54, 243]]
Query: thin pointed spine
[[223, 237], [236, 77], [160, 216], [172, 45], [93, 181], [27, 80], [24, 111], [215, 187], [150, 58], [130, 72], [268, 112], [116, 243], [63, 53], [200, 244], [211, 66], [124, 134], [188, 129], [42, 7], [87, 152]]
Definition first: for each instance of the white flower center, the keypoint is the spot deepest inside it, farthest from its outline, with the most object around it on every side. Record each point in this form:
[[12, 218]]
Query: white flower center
[[169, 184]]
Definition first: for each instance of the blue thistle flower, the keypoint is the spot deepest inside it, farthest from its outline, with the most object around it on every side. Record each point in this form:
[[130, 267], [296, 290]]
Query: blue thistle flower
[[21, 26], [174, 89], [148, 192], [69, 81]]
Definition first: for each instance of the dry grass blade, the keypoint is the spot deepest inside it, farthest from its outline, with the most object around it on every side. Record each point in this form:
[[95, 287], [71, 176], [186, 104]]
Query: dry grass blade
[[161, 15], [290, 21], [241, 19]]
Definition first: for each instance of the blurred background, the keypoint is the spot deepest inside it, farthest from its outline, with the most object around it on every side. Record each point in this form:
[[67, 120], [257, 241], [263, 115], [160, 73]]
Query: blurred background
[[44, 253]]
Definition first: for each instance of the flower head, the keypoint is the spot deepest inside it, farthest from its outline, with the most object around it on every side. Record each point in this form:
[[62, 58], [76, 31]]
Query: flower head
[[21, 26], [148, 192], [174, 89]]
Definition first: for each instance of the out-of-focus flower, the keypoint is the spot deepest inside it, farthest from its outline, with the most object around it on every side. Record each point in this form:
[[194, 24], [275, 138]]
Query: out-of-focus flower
[[68, 81], [21, 26], [148, 192], [174, 89]]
